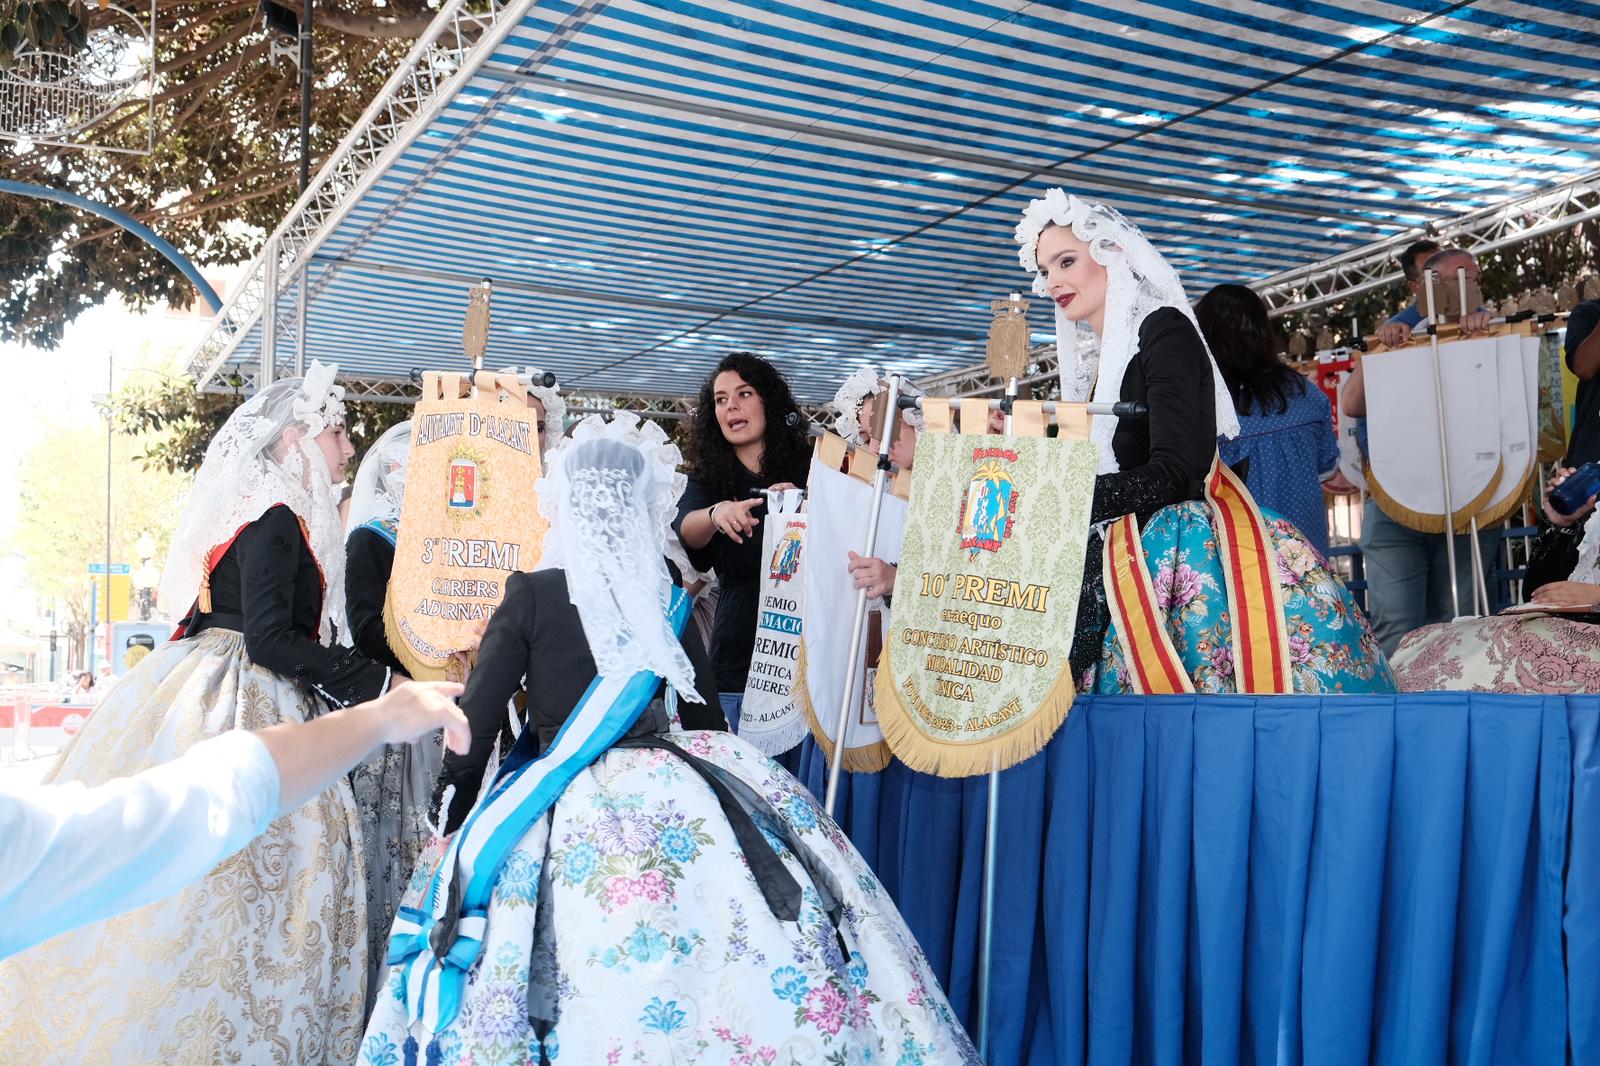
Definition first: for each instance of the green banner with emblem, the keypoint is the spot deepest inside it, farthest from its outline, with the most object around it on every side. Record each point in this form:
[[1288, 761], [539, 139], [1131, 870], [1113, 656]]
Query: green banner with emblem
[[975, 673]]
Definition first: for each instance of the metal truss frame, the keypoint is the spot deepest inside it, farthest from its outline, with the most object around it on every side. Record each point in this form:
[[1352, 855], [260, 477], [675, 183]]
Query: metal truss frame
[[1374, 266], [444, 58], [404, 390]]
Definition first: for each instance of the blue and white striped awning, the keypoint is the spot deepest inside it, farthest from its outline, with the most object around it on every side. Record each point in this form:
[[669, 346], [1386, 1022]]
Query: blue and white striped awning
[[653, 183]]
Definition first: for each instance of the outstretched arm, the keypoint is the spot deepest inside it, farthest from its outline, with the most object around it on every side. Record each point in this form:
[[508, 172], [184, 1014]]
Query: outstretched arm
[[76, 855]]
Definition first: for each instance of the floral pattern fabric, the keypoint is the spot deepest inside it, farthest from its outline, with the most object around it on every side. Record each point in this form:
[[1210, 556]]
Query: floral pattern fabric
[[1539, 654], [634, 903], [1331, 644]]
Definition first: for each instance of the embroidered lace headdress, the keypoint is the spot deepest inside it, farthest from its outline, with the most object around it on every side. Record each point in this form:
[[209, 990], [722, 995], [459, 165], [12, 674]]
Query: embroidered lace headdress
[[380, 486], [610, 493], [856, 388], [1138, 280], [266, 454]]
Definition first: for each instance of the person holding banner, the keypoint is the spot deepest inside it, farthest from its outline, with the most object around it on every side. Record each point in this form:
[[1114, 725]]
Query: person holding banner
[[1164, 585], [637, 892], [264, 958], [857, 401], [741, 442], [393, 784]]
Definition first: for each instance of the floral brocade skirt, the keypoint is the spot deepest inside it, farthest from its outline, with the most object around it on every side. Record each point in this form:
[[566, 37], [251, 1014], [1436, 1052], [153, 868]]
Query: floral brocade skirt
[[1331, 644], [261, 961], [631, 914], [1535, 654]]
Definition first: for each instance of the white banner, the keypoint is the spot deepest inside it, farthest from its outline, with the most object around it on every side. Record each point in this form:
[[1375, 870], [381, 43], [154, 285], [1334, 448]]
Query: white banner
[[1403, 430], [771, 720], [838, 513], [1518, 356]]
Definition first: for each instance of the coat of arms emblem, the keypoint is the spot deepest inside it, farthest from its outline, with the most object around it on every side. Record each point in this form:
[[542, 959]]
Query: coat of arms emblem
[[463, 483], [989, 504], [786, 556]]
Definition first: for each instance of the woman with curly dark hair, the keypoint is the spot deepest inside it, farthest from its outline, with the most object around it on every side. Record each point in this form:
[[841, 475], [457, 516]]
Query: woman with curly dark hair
[[1285, 422], [740, 442]]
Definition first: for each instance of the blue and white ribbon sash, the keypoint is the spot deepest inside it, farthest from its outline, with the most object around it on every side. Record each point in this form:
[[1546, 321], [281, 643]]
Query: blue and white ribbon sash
[[439, 943]]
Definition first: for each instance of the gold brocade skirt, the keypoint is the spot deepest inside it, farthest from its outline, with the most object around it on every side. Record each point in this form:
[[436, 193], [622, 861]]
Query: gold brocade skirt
[[261, 961]]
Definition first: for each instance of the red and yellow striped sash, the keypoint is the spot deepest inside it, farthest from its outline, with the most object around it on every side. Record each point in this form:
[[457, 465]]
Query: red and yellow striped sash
[[1154, 665], [1255, 598]]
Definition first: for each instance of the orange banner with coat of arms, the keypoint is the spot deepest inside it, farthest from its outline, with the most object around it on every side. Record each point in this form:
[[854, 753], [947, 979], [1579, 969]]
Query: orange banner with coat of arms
[[469, 520]]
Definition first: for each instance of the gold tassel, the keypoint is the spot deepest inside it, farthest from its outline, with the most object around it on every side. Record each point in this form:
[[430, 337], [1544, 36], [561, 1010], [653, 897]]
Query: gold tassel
[[417, 669], [1008, 338], [868, 759], [1422, 521], [968, 759]]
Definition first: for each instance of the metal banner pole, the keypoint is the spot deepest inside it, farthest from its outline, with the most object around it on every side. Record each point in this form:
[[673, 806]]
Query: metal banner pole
[[991, 832], [879, 483], [1444, 445], [1480, 578]]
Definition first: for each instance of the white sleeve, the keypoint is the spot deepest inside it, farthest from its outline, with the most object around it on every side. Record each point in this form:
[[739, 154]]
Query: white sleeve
[[74, 855]]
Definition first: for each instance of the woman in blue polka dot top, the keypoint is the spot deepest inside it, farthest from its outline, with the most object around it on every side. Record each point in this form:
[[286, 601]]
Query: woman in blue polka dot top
[[1285, 422]]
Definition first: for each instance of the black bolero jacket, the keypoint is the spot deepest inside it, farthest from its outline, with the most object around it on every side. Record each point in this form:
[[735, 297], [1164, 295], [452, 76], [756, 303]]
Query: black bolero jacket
[[368, 562], [537, 634], [268, 586], [1164, 458]]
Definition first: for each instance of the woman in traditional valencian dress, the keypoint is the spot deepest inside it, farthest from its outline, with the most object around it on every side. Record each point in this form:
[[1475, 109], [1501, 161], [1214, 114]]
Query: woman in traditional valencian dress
[[393, 784], [635, 893], [263, 961], [1552, 654], [1117, 294]]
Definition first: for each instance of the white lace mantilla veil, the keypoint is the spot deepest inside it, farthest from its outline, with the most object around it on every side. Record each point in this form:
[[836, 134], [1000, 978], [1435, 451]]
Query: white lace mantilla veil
[[610, 492], [1138, 280], [248, 468], [555, 405], [380, 485], [846, 403]]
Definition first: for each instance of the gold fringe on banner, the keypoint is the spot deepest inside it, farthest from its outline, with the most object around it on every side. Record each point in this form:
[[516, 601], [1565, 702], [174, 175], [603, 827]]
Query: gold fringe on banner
[[867, 759], [416, 669], [1422, 521], [948, 759]]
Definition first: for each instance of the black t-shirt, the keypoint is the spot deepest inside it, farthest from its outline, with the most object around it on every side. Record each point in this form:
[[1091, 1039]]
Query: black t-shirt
[[1585, 445], [738, 567]]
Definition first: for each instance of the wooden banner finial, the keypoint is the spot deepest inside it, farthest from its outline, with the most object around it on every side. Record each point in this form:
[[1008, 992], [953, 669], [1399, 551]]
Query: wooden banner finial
[[475, 333], [1008, 338]]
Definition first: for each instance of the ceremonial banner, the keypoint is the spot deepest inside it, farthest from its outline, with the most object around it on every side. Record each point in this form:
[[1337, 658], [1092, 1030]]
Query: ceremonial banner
[[837, 512], [1518, 368], [770, 719], [469, 519], [1405, 474], [976, 676]]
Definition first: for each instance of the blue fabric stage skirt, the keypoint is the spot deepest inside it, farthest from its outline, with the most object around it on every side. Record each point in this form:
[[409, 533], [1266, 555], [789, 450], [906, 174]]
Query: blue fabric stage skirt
[[1241, 879]]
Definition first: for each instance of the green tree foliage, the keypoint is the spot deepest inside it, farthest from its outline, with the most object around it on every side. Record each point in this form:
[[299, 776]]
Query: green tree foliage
[[176, 422], [62, 525], [224, 168]]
